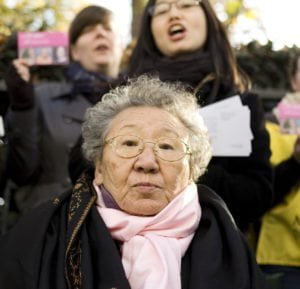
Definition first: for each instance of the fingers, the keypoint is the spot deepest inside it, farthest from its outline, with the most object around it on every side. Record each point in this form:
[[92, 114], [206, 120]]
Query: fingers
[[22, 69]]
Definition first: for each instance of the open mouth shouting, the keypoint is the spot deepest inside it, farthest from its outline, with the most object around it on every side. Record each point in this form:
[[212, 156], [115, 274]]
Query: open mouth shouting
[[176, 32]]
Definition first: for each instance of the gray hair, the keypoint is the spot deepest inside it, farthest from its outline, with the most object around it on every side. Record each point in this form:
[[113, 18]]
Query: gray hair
[[151, 92]]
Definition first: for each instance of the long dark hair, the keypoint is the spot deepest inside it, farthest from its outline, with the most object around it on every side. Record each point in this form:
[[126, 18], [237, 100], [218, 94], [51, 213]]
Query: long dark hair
[[225, 68], [293, 68]]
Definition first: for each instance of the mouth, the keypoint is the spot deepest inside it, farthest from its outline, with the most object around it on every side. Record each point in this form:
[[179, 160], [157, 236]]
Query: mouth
[[176, 30], [146, 185], [102, 48]]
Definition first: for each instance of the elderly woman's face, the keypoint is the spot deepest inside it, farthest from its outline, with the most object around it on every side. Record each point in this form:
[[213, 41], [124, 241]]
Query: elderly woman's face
[[144, 184], [180, 29]]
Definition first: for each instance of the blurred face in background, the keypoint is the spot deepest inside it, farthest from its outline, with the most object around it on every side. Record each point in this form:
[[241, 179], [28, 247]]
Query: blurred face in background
[[99, 48], [61, 54], [178, 28], [295, 81]]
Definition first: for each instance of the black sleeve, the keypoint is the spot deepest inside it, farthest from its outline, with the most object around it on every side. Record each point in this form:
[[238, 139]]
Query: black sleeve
[[77, 162], [25, 249], [232, 263], [23, 144], [21, 93], [286, 176], [21, 123], [245, 183]]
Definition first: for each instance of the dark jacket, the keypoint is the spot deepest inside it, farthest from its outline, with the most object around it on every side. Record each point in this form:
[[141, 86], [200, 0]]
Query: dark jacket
[[65, 244], [286, 173], [245, 183], [39, 141]]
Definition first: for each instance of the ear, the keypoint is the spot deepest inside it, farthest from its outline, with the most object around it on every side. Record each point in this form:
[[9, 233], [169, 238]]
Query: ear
[[293, 84], [191, 171], [74, 53], [191, 176], [98, 174]]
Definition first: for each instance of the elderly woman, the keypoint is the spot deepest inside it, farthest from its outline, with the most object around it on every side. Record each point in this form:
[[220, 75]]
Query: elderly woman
[[138, 220]]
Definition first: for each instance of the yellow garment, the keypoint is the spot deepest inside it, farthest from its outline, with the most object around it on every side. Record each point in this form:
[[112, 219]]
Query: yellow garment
[[279, 240]]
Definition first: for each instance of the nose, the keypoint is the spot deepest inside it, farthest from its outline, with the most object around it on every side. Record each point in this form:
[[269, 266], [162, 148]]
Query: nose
[[100, 30], [146, 162], [174, 11]]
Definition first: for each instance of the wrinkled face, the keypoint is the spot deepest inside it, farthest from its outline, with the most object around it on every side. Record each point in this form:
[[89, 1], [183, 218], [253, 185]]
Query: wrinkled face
[[145, 184], [295, 81], [179, 31], [99, 49]]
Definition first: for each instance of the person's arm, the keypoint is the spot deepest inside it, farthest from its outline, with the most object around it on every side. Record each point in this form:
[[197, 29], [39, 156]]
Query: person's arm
[[22, 125], [19, 87], [287, 174], [245, 183]]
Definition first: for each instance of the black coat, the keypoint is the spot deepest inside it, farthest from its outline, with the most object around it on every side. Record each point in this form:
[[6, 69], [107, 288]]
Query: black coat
[[39, 141], [65, 244], [245, 183], [286, 173]]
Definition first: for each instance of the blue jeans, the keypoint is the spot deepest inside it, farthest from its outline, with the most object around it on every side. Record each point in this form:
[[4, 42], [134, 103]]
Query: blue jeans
[[286, 277]]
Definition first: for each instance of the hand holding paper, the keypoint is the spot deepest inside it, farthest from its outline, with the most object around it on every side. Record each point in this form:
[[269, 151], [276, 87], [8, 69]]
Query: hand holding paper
[[228, 123], [289, 117], [43, 48]]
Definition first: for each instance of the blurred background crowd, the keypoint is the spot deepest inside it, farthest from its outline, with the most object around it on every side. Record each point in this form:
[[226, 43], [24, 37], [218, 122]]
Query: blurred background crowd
[[269, 59]]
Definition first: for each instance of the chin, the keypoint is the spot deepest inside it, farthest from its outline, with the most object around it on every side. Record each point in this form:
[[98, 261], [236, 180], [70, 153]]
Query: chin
[[182, 50], [146, 208]]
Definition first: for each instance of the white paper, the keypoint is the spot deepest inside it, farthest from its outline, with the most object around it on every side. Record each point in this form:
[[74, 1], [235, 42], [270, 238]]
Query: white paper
[[1, 127], [228, 123]]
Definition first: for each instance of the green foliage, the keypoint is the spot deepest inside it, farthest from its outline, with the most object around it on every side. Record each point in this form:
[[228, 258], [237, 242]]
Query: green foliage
[[267, 69], [29, 15], [265, 66], [233, 7]]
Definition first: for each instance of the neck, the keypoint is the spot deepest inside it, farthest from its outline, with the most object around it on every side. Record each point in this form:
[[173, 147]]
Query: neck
[[108, 199], [110, 71]]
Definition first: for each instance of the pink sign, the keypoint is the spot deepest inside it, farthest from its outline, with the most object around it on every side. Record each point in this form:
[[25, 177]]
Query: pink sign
[[44, 48], [289, 117]]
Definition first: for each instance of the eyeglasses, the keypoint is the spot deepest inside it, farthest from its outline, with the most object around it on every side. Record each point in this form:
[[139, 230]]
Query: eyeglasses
[[168, 149], [164, 7]]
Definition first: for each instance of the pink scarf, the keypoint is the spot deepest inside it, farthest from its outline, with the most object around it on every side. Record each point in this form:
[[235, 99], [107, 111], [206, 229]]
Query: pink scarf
[[154, 246]]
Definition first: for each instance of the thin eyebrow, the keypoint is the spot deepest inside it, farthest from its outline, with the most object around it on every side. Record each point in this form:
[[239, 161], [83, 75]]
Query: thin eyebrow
[[158, 2], [164, 130], [128, 125], [167, 2]]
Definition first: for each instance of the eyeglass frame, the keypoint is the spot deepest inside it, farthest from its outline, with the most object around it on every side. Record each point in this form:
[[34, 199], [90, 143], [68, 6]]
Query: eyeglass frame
[[152, 7], [110, 142]]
